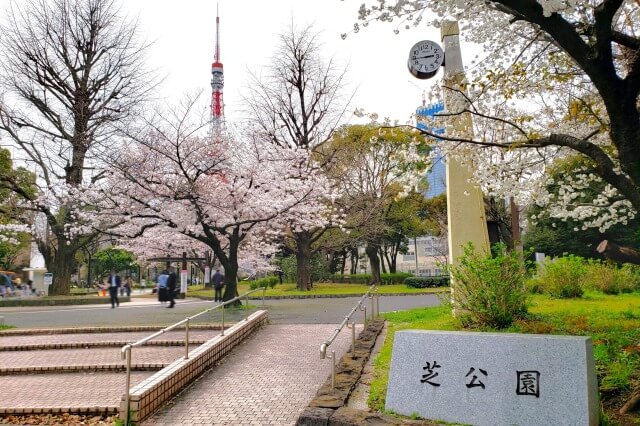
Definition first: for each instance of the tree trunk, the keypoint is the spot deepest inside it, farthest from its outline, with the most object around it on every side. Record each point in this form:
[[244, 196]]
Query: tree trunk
[[381, 256], [372, 254], [391, 257], [354, 261], [230, 281], [61, 265], [618, 253], [303, 261]]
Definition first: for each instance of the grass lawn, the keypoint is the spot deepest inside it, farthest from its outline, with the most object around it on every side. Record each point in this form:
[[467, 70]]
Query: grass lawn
[[289, 289], [6, 326], [612, 321]]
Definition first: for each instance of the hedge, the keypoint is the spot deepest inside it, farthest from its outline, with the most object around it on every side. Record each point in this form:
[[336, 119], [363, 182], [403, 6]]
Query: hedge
[[397, 278], [424, 282]]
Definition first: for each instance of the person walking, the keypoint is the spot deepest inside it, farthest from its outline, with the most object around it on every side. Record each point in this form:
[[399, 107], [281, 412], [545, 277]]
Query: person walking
[[114, 283], [128, 283], [218, 283], [162, 286], [172, 282]]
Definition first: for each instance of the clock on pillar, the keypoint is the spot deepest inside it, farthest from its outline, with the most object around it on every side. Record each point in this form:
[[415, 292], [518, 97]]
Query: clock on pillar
[[425, 58]]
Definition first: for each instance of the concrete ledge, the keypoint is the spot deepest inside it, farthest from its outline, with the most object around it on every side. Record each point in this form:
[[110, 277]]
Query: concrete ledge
[[150, 394]]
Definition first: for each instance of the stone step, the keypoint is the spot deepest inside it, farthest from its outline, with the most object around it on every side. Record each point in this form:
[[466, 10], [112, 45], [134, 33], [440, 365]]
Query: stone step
[[89, 358], [87, 345], [94, 393], [83, 340], [47, 369]]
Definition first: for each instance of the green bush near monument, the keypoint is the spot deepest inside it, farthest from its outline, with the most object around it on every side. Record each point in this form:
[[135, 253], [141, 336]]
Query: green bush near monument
[[490, 291]]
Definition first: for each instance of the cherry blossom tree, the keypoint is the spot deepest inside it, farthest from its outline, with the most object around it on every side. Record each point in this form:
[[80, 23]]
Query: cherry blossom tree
[[233, 195], [556, 78], [71, 74], [298, 102]]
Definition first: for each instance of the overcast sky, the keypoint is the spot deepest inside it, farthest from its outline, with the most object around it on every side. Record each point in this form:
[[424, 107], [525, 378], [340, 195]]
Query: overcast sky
[[183, 36]]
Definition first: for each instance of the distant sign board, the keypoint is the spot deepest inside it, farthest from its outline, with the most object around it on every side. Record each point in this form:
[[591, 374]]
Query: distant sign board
[[493, 378], [48, 279]]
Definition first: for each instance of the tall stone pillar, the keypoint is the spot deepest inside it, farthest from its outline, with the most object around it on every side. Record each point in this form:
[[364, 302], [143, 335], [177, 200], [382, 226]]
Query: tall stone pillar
[[465, 204]]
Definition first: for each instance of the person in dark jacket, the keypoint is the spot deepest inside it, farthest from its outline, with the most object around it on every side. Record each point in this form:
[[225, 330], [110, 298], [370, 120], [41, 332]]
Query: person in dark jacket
[[114, 283], [172, 282], [218, 283], [162, 286]]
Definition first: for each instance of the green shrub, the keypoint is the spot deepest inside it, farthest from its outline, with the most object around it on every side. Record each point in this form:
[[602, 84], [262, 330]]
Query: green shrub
[[424, 282], [270, 281], [490, 290], [395, 278], [563, 277], [610, 279], [352, 279], [386, 279]]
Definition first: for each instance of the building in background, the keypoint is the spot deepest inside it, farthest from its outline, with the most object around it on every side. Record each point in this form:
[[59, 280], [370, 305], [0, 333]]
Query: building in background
[[437, 173]]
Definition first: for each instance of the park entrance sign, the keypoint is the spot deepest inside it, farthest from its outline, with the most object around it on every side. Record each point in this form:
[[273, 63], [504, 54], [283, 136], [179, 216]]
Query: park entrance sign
[[493, 378]]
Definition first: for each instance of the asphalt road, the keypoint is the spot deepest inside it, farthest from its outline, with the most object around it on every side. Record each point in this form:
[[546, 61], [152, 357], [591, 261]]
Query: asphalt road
[[149, 312]]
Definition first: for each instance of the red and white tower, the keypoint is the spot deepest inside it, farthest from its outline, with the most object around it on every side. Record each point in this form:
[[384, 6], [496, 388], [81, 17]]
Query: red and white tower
[[217, 84]]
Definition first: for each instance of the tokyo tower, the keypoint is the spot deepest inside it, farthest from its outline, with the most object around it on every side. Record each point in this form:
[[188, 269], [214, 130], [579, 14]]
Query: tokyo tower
[[217, 84]]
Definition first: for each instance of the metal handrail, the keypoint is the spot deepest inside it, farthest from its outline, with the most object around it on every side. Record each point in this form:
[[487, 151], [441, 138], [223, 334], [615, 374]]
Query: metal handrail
[[360, 306], [126, 349]]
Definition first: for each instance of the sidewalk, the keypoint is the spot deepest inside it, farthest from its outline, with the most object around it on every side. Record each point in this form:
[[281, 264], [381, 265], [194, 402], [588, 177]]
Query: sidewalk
[[268, 380]]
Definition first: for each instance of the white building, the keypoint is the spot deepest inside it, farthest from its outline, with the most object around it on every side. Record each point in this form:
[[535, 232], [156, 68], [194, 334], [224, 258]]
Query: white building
[[433, 255]]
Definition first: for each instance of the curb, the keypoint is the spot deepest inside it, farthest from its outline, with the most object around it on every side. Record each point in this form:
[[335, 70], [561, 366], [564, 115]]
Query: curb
[[329, 296], [26, 303]]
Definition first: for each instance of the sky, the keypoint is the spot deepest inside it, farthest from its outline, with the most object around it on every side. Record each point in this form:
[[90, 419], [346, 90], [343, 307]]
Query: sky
[[182, 37]]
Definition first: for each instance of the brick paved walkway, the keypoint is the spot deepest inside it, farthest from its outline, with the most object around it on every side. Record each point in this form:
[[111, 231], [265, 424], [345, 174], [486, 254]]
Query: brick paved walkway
[[266, 381]]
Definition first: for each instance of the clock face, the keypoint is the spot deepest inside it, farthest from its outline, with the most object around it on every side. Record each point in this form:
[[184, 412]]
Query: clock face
[[425, 58]]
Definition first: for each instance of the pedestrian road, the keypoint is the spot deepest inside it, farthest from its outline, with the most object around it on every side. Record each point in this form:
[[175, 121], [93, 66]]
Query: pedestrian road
[[268, 380]]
